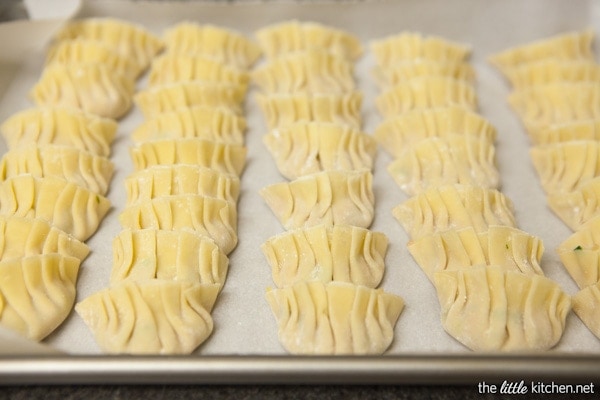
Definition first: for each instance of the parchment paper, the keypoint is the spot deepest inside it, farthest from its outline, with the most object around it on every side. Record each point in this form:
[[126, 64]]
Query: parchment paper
[[243, 321]]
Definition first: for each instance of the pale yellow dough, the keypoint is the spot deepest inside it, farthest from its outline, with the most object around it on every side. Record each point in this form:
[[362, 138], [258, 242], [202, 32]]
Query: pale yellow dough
[[22, 237], [340, 253], [225, 158], [394, 74], [334, 318], [282, 110], [586, 304], [182, 95], [334, 197], [91, 88], [315, 71], [60, 126], [87, 51], [579, 206], [587, 129], [309, 147], [223, 45], [73, 165], [425, 93], [489, 309], [454, 159], [408, 46], [455, 249], [580, 253], [166, 180], [129, 40], [69, 207], [218, 124], [453, 207], [553, 71], [567, 46], [177, 255], [293, 36], [397, 133], [37, 293], [208, 216], [150, 317]]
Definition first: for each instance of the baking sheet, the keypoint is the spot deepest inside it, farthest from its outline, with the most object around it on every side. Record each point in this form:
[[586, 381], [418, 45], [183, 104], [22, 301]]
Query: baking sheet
[[244, 325]]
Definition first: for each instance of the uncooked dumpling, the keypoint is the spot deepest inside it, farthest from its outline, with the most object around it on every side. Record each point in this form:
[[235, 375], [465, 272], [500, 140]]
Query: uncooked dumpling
[[340, 253], [552, 71], [182, 95], [399, 72], [23, 237], [293, 36], [60, 126], [313, 71], [37, 293], [282, 110], [489, 309], [503, 246], [166, 180], [150, 317], [226, 158], [214, 42], [588, 129], [586, 304], [427, 92], [580, 253], [73, 165], [579, 206], [92, 88], [309, 147], [397, 133], [454, 207], [334, 318], [218, 124], [67, 206], [454, 159], [127, 39], [334, 197], [209, 216], [170, 255]]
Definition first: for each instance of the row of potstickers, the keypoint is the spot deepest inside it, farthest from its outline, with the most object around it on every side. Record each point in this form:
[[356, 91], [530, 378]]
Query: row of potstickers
[[180, 221], [328, 264], [492, 292], [57, 172], [557, 95]]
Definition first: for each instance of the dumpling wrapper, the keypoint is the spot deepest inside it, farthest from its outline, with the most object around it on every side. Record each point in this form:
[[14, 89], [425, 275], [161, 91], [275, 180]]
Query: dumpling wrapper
[[225, 158], [182, 95], [425, 93], [308, 147], [453, 207], [283, 110], [218, 124], [489, 309], [91, 88], [314, 71], [588, 129], [69, 207], [37, 293], [150, 317], [454, 159], [208, 216], [580, 253], [60, 126], [292, 36], [167, 180], [553, 71], [391, 75], [128, 39], [179, 255], [334, 318], [409, 46], [22, 237], [579, 206], [341, 253], [566, 46], [333, 197], [586, 304], [73, 165], [87, 51], [223, 45], [502, 246], [397, 133]]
